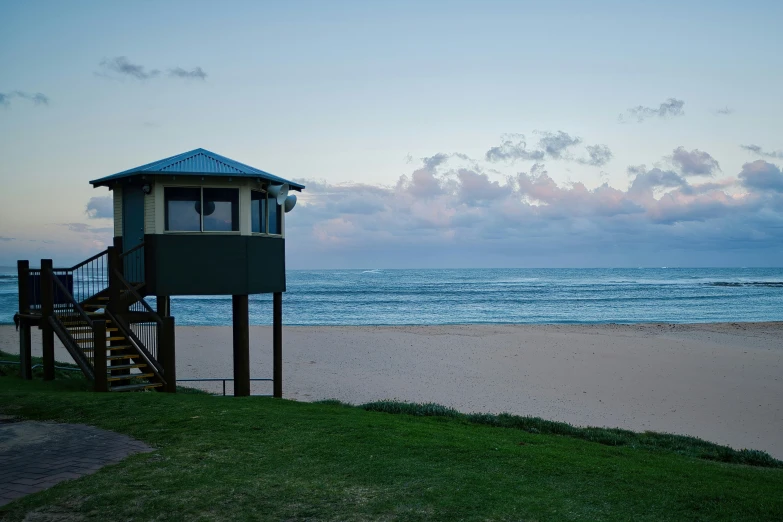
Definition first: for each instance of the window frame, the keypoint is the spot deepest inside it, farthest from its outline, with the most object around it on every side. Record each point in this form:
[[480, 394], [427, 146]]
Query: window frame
[[268, 206], [201, 215]]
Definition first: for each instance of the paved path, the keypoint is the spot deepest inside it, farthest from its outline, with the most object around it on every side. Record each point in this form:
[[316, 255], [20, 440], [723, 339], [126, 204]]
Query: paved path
[[37, 455]]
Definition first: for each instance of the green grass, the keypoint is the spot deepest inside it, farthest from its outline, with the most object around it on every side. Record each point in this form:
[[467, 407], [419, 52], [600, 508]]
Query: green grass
[[265, 459]]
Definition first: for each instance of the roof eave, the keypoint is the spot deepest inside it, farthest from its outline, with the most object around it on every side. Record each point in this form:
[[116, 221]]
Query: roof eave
[[106, 181]]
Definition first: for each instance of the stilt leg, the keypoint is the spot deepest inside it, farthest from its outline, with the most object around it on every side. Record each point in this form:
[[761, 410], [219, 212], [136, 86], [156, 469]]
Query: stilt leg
[[277, 344], [47, 309], [241, 346], [25, 351]]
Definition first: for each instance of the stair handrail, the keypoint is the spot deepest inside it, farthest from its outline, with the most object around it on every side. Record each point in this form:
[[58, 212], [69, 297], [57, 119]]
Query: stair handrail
[[124, 328], [138, 297], [70, 344], [93, 258], [73, 302], [130, 251], [68, 341]]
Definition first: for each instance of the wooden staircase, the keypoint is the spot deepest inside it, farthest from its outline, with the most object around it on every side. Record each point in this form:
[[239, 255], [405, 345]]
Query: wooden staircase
[[127, 369], [113, 335]]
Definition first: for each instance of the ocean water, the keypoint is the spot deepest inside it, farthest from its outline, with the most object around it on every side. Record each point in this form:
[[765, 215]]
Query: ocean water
[[461, 296]]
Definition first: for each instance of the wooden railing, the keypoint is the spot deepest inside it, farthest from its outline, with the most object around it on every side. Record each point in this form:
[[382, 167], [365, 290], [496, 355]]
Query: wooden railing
[[60, 302], [154, 337], [131, 264], [130, 299], [125, 329], [90, 334]]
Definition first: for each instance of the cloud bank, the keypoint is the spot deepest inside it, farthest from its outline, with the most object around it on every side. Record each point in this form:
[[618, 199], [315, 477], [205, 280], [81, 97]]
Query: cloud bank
[[444, 214]]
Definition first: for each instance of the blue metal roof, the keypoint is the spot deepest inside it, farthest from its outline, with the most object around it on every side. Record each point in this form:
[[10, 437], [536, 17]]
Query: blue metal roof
[[198, 162]]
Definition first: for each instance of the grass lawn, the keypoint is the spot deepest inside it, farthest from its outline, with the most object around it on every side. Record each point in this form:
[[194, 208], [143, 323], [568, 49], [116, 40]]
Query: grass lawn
[[259, 458]]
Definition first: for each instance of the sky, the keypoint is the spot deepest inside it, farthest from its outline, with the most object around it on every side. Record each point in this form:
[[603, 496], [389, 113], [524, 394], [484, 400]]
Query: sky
[[429, 134]]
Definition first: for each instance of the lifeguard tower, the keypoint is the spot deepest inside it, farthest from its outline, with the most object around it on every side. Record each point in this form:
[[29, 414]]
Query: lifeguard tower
[[193, 224]]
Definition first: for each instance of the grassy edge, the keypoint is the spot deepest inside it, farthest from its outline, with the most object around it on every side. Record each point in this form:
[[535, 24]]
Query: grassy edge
[[649, 440], [75, 380]]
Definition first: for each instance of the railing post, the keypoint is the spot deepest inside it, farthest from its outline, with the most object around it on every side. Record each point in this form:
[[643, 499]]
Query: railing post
[[277, 345], [114, 283], [99, 355], [47, 310], [167, 353], [25, 348]]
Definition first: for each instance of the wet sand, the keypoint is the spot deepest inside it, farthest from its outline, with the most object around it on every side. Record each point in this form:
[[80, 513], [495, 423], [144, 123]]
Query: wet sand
[[721, 382]]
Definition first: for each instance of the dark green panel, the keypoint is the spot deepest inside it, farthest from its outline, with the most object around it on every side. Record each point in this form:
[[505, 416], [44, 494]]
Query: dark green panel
[[266, 264], [206, 264]]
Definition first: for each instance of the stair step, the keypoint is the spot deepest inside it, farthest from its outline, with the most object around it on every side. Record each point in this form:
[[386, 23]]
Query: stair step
[[96, 305], [125, 366], [133, 387], [78, 323], [120, 357], [109, 330], [110, 348], [103, 299], [89, 339], [129, 376]]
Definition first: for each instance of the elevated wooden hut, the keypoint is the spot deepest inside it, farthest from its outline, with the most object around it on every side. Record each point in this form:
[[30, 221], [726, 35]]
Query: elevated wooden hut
[[193, 224]]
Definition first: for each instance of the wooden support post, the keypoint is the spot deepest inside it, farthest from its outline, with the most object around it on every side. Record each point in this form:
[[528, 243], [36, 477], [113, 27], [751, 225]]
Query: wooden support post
[[167, 354], [241, 346], [25, 346], [277, 344], [25, 351], [117, 243], [47, 309], [99, 355], [23, 272], [163, 305], [114, 282]]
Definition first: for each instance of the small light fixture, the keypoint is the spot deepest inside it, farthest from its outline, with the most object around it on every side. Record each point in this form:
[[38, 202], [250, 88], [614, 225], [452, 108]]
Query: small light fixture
[[146, 188]]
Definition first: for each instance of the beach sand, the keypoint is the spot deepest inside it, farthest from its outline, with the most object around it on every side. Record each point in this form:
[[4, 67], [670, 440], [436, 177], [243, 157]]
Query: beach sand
[[720, 382]]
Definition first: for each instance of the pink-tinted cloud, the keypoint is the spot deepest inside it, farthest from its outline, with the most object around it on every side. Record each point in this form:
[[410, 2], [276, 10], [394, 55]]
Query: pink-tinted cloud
[[762, 176], [475, 215]]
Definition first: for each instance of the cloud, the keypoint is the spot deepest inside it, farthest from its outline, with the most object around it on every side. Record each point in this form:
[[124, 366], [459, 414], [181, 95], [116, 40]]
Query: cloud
[[670, 108], [598, 155], [762, 177], [755, 149], [432, 162], [551, 146], [77, 227], [725, 111], [197, 73], [512, 148], [646, 181], [442, 216], [36, 97], [100, 207], [478, 189], [555, 144], [695, 162], [123, 67], [103, 234]]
